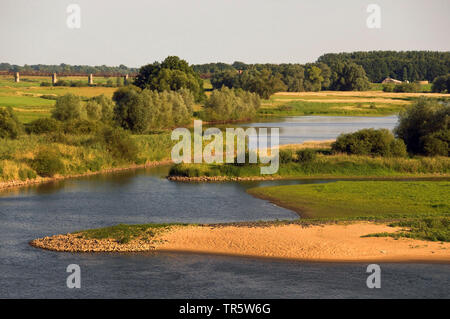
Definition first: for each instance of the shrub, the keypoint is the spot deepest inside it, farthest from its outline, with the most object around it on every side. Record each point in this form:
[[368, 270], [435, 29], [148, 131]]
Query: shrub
[[379, 142], [119, 144], [228, 105], [45, 84], [43, 125], [425, 117], [388, 87], [407, 87], [285, 156], [25, 174], [437, 143], [10, 127], [47, 162], [398, 148], [143, 110], [68, 107], [306, 155], [80, 126], [441, 84]]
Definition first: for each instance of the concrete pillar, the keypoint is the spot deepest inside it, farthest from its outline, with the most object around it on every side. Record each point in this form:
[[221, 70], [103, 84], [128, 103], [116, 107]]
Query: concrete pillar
[[90, 79], [16, 77], [54, 79], [125, 79]]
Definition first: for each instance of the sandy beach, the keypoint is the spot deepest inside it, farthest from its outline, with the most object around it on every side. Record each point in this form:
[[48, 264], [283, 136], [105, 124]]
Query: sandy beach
[[327, 243]]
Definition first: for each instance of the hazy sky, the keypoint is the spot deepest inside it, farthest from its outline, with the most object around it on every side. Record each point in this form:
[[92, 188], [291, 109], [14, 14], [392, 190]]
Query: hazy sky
[[136, 32]]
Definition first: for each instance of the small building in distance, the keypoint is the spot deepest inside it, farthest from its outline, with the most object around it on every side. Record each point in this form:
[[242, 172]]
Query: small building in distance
[[423, 82], [391, 80]]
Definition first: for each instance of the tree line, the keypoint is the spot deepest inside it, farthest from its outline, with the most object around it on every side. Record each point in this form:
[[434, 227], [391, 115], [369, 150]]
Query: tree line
[[404, 65], [266, 79]]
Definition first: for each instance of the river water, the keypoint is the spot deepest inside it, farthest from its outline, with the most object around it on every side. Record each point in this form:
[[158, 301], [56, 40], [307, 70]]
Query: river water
[[143, 196]]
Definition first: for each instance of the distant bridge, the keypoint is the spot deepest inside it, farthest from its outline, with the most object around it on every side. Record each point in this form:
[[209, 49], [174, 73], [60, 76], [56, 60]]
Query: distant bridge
[[55, 75]]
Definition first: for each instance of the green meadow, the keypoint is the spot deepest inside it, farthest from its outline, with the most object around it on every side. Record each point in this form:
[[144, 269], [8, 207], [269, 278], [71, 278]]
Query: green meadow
[[422, 208]]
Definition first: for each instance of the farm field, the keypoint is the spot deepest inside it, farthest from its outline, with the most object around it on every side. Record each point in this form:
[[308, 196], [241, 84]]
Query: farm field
[[31, 101], [351, 103]]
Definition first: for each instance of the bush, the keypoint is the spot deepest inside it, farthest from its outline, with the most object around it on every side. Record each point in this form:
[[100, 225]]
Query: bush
[[43, 125], [422, 123], [306, 155], [47, 163], [285, 156], [379, 142], [143, 110], [77, 127], [68, 107], [10, 127], [407, 87], [388, 87], [441, 84], [45, 84], [437, 143], [229, 105], [119, 144]]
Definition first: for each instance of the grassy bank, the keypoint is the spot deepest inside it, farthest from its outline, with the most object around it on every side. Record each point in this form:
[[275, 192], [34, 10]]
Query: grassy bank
[[301, 108], [339, 165], [125, 233], [78, 154], [422, 207]]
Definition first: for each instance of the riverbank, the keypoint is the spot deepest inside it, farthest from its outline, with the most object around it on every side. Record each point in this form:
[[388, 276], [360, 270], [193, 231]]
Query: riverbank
[[341, 242], [42, 180], [324, 166]]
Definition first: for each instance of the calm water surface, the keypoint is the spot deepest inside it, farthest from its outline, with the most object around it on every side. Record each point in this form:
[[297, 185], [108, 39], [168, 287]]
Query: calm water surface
[[144, 196]]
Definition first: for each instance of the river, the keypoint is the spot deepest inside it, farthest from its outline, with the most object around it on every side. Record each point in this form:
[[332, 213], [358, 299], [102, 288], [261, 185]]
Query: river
[[143, 196]]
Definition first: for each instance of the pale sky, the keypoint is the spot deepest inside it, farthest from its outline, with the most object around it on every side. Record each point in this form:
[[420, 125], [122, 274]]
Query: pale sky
[[137, 32]]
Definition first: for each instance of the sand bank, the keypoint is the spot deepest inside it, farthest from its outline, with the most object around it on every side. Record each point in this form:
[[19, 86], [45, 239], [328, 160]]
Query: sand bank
[[329, 243]]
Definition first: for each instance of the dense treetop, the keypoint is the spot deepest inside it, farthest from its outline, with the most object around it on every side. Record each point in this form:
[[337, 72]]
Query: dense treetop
[[171, 74]]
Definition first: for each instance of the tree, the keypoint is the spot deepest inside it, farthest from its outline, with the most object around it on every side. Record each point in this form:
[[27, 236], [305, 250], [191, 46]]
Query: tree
[[348, 76], [441, 84], [143, 110], [422, 124], [314, 78], [379, 142], [10, 127], [132, 111], [68, 107], [228, 105], [172, 74]]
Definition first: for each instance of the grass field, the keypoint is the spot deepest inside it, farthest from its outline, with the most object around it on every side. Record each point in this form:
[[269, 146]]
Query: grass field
[[422, 207], [353, 103]]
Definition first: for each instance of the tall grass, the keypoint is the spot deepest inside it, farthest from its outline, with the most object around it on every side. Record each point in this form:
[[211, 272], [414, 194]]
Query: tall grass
[[78, 153]]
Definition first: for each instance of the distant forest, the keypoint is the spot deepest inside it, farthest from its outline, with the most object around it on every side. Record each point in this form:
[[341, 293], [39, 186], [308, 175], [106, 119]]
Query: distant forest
[[404, 65]]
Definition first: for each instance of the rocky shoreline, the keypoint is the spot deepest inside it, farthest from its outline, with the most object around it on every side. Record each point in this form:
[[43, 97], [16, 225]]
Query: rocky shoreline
[[76, 243], [222, 178], [41, 180]]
